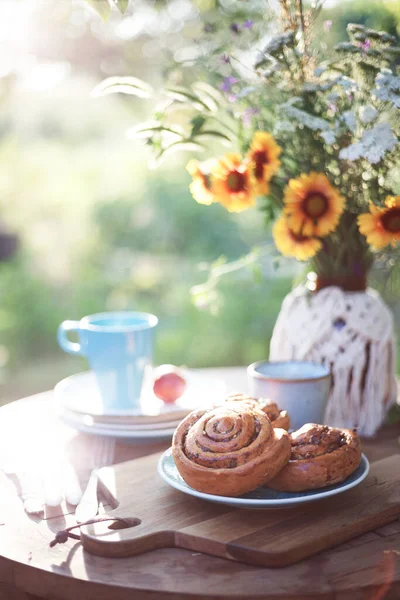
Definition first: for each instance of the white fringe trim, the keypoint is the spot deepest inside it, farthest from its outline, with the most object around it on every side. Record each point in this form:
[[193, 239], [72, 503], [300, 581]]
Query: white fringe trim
[[352, 333]]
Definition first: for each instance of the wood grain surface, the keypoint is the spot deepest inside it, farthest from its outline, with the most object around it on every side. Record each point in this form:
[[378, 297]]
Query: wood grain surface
[[365, 568], [164, 517]]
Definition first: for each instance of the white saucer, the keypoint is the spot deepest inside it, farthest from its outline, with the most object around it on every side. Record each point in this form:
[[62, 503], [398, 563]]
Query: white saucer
[[78, 404], [86, 426], [80, 394], [262, 497]]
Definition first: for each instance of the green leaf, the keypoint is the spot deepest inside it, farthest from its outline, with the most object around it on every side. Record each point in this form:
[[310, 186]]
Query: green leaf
[[213, 133], [124, 85], [212, 98], [184, 95], [184, 145], [197, 123], [201, 87], [178, 146], [122, 5], [146, 129], [102, 7]]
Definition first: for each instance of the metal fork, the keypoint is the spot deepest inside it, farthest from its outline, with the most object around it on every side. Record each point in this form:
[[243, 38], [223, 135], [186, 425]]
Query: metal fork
[[103, 455]]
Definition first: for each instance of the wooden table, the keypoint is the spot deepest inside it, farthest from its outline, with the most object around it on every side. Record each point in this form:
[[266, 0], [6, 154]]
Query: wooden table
[[366, 568]]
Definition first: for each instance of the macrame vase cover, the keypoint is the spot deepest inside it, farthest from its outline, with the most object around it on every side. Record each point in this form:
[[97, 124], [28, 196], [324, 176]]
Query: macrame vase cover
[[352, 333]]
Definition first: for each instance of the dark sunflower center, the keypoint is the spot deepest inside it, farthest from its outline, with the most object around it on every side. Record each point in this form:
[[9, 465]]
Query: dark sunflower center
[[236, 181], [297, 237], [260, 159], [391, 220], [315, 205]]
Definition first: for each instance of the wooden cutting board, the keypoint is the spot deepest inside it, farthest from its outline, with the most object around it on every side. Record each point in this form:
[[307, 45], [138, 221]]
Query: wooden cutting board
[[164, 517]]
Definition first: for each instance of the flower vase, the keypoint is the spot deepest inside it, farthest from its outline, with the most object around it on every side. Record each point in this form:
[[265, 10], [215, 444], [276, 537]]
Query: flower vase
[[352, 333]]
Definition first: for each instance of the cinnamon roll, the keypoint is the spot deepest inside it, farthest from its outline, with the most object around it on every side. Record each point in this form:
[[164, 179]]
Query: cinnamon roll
[[229, 450], [320, 456], [278, 417]]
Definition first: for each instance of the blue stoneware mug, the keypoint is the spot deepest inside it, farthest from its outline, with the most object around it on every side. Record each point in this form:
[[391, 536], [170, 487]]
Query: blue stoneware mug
[[119, 348], [300, 387]]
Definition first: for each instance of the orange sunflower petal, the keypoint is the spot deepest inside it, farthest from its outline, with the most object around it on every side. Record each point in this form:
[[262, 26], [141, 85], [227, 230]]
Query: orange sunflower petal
[[392, 201], [233, 183], [201, 187], [381, 226], [291, 244], [312, 205], [263, 156]]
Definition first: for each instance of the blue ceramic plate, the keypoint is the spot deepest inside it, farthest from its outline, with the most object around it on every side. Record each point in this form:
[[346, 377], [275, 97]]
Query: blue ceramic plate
[[262, 497]]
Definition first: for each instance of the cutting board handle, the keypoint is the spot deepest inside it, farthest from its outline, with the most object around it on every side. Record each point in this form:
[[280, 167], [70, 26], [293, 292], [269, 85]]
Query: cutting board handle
[[112, 538]]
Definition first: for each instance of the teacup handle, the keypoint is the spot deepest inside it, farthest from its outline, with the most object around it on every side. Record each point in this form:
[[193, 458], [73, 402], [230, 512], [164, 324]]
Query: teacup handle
[[62, 337]]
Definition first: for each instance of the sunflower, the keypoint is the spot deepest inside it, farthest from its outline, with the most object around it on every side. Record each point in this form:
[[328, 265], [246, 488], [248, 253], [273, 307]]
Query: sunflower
[[233, 183], [294, 244], [381, 226], [263, 156], [200, 187], [312, 205]]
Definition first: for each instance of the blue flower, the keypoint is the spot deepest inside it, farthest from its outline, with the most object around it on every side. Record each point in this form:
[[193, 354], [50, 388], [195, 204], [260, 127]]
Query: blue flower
[[248, 24], [235, 28], [228, 83]]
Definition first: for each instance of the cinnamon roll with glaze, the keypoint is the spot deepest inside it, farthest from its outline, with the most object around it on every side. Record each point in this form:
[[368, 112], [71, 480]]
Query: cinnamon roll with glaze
[[229, 450], [320, 456], [278, 417]]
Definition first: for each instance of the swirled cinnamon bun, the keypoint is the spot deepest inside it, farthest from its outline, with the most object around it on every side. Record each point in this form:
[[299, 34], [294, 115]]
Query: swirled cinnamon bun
[[320, 456], [278, 417], [229, 450]]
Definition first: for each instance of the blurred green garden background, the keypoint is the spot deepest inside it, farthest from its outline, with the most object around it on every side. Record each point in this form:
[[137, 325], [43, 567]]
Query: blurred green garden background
[[97, 229]]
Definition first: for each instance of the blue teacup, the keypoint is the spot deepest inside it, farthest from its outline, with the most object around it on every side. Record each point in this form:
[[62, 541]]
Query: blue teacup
[[119, 348], [300, 387]]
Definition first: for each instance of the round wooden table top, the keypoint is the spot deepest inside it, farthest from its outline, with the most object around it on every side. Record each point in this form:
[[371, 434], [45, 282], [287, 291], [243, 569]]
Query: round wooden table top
[[367, 567]]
